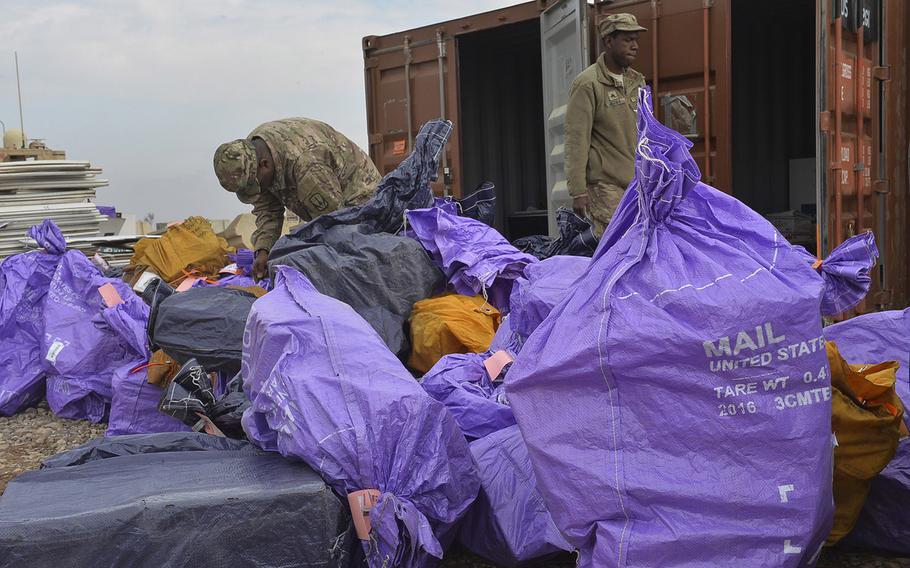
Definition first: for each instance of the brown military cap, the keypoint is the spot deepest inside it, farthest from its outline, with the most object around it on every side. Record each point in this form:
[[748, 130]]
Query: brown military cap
[[619, 23], [235, 166]]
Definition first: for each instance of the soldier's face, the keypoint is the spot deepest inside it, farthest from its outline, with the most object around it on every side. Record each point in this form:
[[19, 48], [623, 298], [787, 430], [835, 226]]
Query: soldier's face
[[265, 172], [623, 47]]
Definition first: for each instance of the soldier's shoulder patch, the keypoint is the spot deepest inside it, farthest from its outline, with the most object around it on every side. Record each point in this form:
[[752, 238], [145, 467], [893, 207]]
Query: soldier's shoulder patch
[[319, 202]]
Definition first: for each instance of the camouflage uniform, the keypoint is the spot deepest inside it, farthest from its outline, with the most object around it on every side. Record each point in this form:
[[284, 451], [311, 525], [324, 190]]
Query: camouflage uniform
[[601, 131], [317, 170]]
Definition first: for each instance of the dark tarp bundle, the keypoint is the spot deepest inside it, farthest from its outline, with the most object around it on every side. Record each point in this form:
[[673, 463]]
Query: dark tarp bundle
[[152, 508], [24, 282], [128, 445], [576, 238], [189, 395], [406, 187], [192, 393], [475, 258], [478, 403], [156, 291], [884, 523], [480, 204], [227, 410], [508, 523], [744, 475], [205, 324], [380, 275], [874, 338], [326, 390]]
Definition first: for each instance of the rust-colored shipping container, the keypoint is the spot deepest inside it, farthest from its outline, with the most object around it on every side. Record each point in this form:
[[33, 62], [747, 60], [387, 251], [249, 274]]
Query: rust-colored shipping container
[[483, 73], [783, 113]]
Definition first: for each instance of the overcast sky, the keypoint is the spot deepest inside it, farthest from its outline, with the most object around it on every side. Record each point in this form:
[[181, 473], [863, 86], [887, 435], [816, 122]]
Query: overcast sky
[[147, 89]]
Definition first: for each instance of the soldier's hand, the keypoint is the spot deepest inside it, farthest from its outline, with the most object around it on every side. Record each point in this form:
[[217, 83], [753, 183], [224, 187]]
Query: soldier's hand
[[580, 205], [261, 265]]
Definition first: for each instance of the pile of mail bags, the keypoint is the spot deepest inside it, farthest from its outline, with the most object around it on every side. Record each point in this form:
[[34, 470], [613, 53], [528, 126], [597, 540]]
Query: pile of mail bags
[[55, 337]]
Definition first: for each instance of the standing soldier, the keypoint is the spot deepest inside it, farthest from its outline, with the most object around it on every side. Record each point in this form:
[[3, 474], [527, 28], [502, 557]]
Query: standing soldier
[[601, 123], [296, 163]]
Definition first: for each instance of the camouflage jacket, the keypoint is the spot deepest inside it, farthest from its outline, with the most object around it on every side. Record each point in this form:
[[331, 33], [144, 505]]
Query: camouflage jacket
[[317, 170], [601, 128]]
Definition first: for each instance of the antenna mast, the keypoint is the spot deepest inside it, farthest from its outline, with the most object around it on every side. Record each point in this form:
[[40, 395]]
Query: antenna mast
[[19, 89]]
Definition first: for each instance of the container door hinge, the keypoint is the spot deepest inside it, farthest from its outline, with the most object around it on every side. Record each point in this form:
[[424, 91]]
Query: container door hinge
[[824, 121], [882, 73], [881, 186]]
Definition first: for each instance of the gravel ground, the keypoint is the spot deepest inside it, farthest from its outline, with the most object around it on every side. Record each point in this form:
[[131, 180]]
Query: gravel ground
[[31, 436]]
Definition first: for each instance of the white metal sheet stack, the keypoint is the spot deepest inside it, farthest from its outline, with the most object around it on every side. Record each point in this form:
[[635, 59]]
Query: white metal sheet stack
[[60, 190]]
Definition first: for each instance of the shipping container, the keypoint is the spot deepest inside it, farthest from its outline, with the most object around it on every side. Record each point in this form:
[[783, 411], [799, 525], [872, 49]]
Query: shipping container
[[799, 108]]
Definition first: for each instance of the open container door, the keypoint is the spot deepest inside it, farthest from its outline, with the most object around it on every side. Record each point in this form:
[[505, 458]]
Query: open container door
[[852, 191], [564, 54]]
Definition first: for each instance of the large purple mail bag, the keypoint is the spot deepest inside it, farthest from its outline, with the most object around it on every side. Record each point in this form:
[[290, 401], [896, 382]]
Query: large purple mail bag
[[24, 282], [508, 523], [134, 401], [876, 338], [676, 404], [461, 382], [325, 389], [80, 350]]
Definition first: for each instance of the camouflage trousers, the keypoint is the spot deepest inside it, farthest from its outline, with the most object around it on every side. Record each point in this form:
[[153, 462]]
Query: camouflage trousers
[[603, 199]]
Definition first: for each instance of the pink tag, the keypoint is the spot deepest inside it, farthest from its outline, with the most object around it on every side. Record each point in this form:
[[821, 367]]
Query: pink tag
[[110, 295], [187, 283], [361, 502], [174, 223], [209, 426], [496, 362]]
